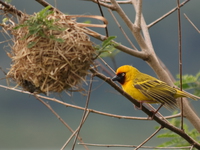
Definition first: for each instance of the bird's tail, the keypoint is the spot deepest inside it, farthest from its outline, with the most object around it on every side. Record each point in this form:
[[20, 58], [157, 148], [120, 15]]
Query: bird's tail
[[186, 94]]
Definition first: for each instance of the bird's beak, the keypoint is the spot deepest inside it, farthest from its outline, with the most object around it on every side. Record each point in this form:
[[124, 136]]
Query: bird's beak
[[120, 78], [116, 78]]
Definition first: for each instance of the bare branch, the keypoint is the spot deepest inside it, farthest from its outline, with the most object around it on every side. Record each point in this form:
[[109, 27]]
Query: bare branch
[[191, 148], [102, 3], [119, 2], [146, 147], [74, 133], [134, 29], [45, 4], [78, 107], [84, 113], [123, 32], [149, 113], [11, 8], [149, 138], [138, 10], [167, 14], [192, 23], [180, 57], [50, 108]]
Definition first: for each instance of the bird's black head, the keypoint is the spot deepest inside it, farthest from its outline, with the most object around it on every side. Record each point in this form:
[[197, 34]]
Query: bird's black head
[[120, 77]]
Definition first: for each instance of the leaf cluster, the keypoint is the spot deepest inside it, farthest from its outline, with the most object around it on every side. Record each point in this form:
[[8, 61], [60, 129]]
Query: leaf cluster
[[174, 139], [190, 82], [107, 48], [38, 25]]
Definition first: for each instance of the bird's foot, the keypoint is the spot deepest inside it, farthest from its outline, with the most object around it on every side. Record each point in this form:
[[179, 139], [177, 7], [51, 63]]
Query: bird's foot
[[154, 112], [138, 107], [152, 116]]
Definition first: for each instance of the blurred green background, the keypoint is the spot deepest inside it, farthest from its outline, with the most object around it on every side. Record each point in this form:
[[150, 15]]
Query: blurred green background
[[28, 124]]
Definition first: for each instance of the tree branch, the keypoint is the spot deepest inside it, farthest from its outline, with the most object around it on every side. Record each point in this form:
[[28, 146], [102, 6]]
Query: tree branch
[[11, 8], [149, 113], [53, 111], [167, 14]]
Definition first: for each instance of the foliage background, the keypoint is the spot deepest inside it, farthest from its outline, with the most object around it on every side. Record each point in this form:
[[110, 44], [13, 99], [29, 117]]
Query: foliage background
[[27, 124]]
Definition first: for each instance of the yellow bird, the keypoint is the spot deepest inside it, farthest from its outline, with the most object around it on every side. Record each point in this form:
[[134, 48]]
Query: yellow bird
[[148, 89]]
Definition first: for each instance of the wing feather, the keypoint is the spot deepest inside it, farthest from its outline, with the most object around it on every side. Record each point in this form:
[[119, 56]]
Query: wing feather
[[158, 91]]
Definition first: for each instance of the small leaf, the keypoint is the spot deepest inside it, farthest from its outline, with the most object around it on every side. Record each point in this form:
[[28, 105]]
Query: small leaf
[[31, 44], [108, 41], [5, 20], [174, 139]]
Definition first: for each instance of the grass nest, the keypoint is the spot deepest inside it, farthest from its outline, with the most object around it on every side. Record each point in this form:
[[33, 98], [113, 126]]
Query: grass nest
[[50, 53]]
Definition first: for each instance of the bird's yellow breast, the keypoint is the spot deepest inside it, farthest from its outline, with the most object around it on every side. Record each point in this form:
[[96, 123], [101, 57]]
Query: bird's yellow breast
[[146, 88]]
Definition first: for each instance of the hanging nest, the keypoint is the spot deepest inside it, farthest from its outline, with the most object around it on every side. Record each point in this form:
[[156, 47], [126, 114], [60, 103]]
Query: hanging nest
[[54, 59]]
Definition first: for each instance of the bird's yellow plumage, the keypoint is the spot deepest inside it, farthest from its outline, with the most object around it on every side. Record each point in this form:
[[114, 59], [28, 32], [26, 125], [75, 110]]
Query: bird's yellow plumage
[[146, 88]]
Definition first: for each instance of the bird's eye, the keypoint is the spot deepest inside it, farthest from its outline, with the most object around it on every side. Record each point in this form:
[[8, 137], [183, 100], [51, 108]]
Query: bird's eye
[[123, 74]]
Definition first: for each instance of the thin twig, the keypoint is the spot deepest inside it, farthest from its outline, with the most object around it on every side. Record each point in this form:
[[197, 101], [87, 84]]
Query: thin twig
[[53, 111], [191, 147], [74, 133], [45, 4], [180, 57], [122, 30], [101, 11], [108, 1], [157, 113], [119, 46], [107, 64], [173, 116], [11, 8], [167, 14], [103, 4], [133, 28], [149, 138], [192, 23], [78, 107], [106, 68], [85, 111], [146, 147]]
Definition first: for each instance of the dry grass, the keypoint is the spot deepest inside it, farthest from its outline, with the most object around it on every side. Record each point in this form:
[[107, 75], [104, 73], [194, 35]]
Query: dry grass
[[50, 65]]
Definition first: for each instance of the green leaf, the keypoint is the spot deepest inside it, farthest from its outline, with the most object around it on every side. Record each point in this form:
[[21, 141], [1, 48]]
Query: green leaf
[[87, 21], [175, 140], [38, 25], [8, 1], [31, 44], [60, 40], [190, 82], [107, 49], [108, 41], [5, 20]]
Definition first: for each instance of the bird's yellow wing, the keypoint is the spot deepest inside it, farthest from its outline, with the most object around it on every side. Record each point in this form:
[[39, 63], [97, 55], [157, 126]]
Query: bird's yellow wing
[[157, 91]]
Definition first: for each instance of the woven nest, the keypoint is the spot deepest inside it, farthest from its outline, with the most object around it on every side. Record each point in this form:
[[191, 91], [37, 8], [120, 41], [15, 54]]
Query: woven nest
[[50, 65]]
